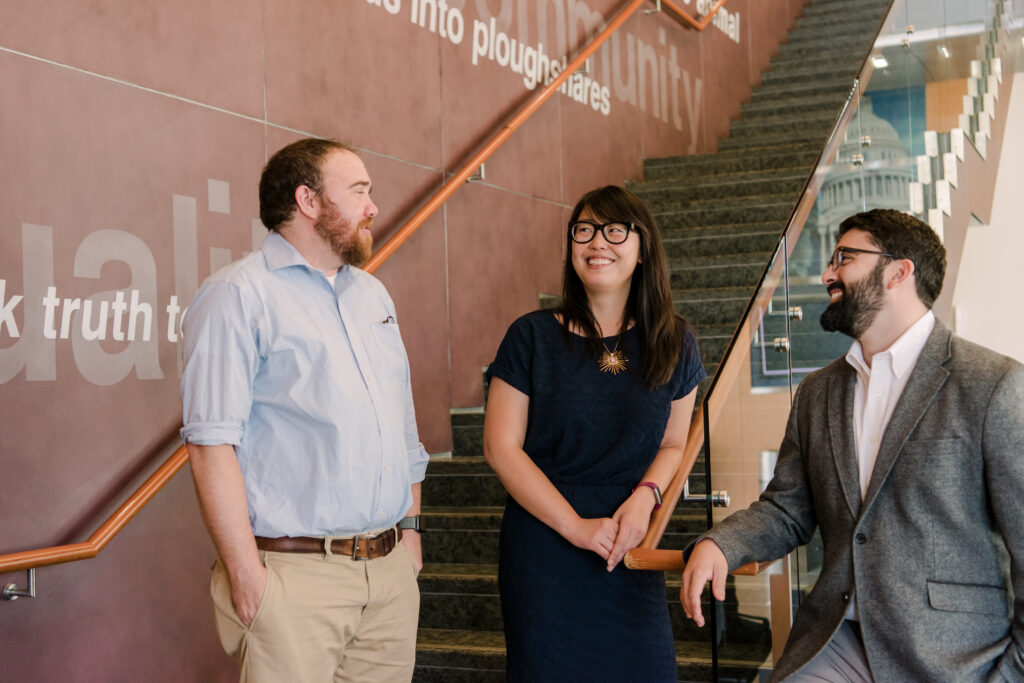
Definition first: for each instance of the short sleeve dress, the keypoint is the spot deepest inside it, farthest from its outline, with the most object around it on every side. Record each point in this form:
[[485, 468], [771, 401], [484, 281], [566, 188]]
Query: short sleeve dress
[[594, 434]]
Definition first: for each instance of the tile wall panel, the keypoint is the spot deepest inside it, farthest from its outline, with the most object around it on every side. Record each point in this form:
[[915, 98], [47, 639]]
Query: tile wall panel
[[210, 52], [353, 71]]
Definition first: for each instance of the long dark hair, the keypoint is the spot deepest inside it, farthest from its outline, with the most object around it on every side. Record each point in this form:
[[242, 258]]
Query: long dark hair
[[649, 305]]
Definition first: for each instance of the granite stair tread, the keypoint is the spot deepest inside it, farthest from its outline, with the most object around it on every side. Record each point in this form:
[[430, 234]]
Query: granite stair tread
[[675, 191], [687, 183], [459, 570], [482, 654]]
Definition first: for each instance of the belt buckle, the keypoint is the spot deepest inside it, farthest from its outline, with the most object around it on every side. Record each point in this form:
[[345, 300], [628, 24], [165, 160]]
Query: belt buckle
[[355, 547]]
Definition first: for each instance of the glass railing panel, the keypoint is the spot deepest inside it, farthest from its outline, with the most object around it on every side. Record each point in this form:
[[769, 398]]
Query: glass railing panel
[[745, 426], [926, 91]]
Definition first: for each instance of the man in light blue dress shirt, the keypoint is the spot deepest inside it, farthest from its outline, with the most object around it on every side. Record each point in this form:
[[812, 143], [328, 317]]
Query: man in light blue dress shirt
[[300, 427]]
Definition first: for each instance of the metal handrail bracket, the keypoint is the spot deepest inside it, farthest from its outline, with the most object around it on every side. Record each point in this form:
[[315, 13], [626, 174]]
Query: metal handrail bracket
[[13, 591]]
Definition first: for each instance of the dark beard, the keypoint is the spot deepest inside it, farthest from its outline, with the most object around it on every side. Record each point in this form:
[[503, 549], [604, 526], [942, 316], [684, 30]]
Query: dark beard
[[355, 250], [853, 313]]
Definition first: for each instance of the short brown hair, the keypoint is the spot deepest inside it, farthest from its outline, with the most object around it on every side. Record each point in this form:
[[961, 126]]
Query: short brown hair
[[899, 233], [291, 167]]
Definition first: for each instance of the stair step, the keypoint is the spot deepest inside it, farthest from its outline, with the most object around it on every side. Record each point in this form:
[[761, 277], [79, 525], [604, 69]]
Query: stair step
[[679, 203], [711, 241], [728, 162], [828, 101], [823, 116], [735, 270], [819, 126], [466, 481], [454, 656], [797, 91], [772, 209], [855, 21], [811, 42], [753, 144], [700, 181], [720, 306], [467, 596], [749, 185], [468, 417], [801, 73], [821, 7]]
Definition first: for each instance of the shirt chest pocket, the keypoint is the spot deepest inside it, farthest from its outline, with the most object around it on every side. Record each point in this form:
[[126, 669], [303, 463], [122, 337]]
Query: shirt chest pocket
[[388, 354]]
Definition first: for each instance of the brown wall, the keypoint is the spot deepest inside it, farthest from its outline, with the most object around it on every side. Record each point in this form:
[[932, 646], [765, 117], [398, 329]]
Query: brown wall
[[133, 135]]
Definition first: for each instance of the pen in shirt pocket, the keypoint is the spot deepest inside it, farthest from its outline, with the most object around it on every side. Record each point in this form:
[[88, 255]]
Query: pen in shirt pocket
[[390, 320]]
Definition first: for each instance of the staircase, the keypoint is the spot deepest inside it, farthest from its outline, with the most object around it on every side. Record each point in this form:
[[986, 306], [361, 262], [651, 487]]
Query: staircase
[[721, 216]]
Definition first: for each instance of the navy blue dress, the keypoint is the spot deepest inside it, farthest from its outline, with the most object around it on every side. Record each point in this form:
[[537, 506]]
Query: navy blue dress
[[594, 435]]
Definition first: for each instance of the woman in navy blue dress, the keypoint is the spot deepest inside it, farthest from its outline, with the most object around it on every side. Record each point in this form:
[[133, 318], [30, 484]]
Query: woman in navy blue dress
[[586, 421]]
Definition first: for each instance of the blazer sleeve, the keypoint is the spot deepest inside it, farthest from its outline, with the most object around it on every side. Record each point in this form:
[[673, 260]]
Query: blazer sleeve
[[1003, 441], [783, 518]]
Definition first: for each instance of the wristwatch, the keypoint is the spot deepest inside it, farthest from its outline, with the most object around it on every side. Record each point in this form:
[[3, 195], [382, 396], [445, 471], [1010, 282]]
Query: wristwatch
[[411, 523]]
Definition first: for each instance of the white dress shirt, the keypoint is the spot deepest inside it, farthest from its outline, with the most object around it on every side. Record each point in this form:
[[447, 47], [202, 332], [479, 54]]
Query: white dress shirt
[[879, 387]]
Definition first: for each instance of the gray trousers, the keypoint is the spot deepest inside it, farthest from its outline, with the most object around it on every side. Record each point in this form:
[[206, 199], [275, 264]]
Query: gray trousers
[[842, 661]]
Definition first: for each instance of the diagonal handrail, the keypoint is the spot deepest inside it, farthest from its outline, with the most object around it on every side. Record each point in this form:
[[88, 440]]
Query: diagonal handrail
[[31, 559]]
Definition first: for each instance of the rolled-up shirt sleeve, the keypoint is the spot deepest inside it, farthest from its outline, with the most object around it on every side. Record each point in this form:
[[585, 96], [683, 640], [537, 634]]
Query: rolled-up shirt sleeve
[[221, 358], [418, 457]]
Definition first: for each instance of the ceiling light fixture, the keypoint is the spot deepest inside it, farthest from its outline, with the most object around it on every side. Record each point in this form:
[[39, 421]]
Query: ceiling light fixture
[[879, 62], [944, 51]]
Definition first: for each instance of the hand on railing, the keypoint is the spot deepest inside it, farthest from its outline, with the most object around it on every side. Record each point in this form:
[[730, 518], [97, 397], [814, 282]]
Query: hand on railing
[[707, 563]]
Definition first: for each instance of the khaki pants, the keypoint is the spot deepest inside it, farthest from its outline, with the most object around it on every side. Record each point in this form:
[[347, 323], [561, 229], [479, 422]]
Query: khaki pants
[[325, 619]]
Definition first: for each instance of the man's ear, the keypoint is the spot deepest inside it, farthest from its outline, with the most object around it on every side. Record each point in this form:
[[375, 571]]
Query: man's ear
[[901, 272], [307, 202]]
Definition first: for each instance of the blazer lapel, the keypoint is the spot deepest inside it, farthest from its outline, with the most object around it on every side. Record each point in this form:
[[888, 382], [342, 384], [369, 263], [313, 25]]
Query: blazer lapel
[[927, 377], [841, 386]]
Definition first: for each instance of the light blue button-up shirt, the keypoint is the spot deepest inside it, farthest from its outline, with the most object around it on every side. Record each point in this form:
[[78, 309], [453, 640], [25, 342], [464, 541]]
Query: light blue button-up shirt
[[310, 384]]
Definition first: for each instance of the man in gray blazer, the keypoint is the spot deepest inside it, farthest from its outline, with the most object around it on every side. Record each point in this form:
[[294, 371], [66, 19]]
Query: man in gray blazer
[[908, 454]]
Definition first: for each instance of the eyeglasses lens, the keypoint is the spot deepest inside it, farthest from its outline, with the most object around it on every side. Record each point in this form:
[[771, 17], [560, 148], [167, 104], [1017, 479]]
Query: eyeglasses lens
[[614, 233]]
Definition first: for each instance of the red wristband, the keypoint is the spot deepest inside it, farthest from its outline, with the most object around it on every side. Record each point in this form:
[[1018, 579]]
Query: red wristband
[[654, 487]]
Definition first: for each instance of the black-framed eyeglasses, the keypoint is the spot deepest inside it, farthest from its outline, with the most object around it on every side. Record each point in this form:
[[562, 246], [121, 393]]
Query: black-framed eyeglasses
[[839, 255], [583, 232]]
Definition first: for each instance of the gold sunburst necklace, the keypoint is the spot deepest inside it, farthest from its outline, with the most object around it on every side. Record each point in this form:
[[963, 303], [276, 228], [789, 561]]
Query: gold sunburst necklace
[[613, 361]]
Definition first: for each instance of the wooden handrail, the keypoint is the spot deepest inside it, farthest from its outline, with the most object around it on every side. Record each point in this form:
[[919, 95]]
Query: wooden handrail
[[42, 557], [672, 561]]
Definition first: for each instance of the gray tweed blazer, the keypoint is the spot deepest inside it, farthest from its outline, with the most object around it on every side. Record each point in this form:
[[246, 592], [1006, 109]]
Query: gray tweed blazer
[[934, 555]]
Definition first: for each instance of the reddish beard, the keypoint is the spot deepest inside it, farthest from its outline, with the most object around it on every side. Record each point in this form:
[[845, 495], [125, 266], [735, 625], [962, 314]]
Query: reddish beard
[[352, 245]]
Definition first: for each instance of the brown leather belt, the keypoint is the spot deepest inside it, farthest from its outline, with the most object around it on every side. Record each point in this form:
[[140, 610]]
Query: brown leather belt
[[358, 547]]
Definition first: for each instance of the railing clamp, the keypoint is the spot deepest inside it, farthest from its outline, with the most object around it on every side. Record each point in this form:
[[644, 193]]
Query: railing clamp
[[781, 344], [865, 140], [793, 313], [13, 591], [857, 159], [719, 499], [480, 175]]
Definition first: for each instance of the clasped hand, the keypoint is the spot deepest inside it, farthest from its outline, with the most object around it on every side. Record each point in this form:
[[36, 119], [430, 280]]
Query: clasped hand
[[612, 537]]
